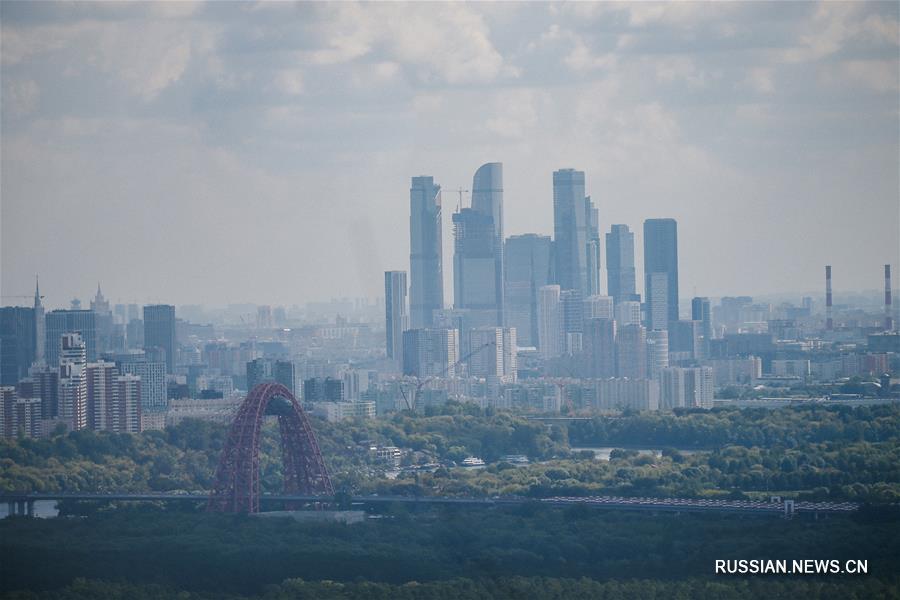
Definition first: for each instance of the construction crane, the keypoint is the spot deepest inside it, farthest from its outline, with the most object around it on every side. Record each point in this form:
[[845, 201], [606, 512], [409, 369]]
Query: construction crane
[[423, 382], [28, 296], [459, 191]]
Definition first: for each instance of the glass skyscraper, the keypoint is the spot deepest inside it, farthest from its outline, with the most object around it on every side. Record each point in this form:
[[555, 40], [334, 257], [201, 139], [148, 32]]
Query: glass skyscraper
[[159, 331], [478, 250], [529, 267], [661, 257], [426, 292], [576, 234], [396, 319], [620, 277]]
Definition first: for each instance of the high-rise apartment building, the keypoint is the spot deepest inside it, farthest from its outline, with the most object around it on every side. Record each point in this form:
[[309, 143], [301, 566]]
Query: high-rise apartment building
[[485, 352], [261, 370], [571, 321], [72, 357], [71, 321], [600, 347], [430, 352], [396, 318], [620, 274], [529, 267], [576, 234], [152, 374], [426, 293], [125, 415], [159, 331], [101, 391], [661, 256], [686, 388], [657, 352], [701, 312], [631, 352], [42, 382], [549, 321]]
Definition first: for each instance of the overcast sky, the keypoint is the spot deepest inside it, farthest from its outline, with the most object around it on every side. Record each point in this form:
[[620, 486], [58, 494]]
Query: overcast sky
[[226, 152]]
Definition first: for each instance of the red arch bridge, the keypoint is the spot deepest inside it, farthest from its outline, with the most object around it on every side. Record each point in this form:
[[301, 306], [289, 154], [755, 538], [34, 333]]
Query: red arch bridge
[[236, 487]]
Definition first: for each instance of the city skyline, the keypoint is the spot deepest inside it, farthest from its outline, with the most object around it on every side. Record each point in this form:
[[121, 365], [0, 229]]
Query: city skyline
[[671, 111]]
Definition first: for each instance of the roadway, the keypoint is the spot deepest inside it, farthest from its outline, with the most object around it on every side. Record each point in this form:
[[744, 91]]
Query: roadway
[[600, 502]]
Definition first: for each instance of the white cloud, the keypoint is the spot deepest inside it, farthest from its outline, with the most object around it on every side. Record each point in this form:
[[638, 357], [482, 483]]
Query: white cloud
[[21, 96]]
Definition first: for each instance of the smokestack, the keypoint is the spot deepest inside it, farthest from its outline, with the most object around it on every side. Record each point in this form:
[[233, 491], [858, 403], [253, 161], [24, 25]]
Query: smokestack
[[888, 317], [829, 322]]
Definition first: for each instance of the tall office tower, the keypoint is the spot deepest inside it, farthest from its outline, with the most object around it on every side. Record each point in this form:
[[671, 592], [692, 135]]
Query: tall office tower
[[72, 357], [101, 390], [159, 331], [40, 327], [658, 301], [153, 379], [600, 347], [685, 341], [134, 334], [396, 319], [476, 287], [628, 312], [620, 277], [661, 256], [631, 352], [529, 265], [42, 382], [657, 352], [485, 352], [71, 321], [17, 344], [571, 321], [700, 311], [576, 234], [19, 415], [549, 321], [598, 307], [430, 352], [426, 293], [487, 198], [261, 370], [125, 413], [510, 355]]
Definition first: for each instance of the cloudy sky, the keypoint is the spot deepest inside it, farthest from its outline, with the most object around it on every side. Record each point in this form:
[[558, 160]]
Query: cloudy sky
[[231, 152]]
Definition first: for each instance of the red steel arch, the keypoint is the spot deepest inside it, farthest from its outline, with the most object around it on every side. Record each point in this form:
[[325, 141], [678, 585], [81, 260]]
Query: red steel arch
[[236, 487]]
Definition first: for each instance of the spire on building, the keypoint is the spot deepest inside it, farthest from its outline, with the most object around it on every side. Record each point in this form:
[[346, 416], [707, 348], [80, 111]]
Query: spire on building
[[37, 292]]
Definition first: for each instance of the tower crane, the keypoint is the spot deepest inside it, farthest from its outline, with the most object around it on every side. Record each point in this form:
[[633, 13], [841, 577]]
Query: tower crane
[[421, 382]]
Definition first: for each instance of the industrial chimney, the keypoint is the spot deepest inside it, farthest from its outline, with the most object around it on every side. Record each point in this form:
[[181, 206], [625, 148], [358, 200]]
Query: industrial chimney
[[829, 322]]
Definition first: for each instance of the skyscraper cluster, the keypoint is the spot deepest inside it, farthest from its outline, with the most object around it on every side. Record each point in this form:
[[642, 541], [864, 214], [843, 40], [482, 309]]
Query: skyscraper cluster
[[546, 289]]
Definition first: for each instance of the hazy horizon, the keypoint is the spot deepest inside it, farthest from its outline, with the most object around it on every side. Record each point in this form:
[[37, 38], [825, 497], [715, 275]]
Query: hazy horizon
[[225, 153]]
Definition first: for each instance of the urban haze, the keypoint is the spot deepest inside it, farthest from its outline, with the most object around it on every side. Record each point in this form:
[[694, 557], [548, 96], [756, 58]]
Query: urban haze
[[449, 300]]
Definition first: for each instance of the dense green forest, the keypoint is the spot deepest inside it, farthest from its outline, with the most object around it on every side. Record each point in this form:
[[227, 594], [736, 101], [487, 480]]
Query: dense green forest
[[515, 588], [239, 554], [825, 452]]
